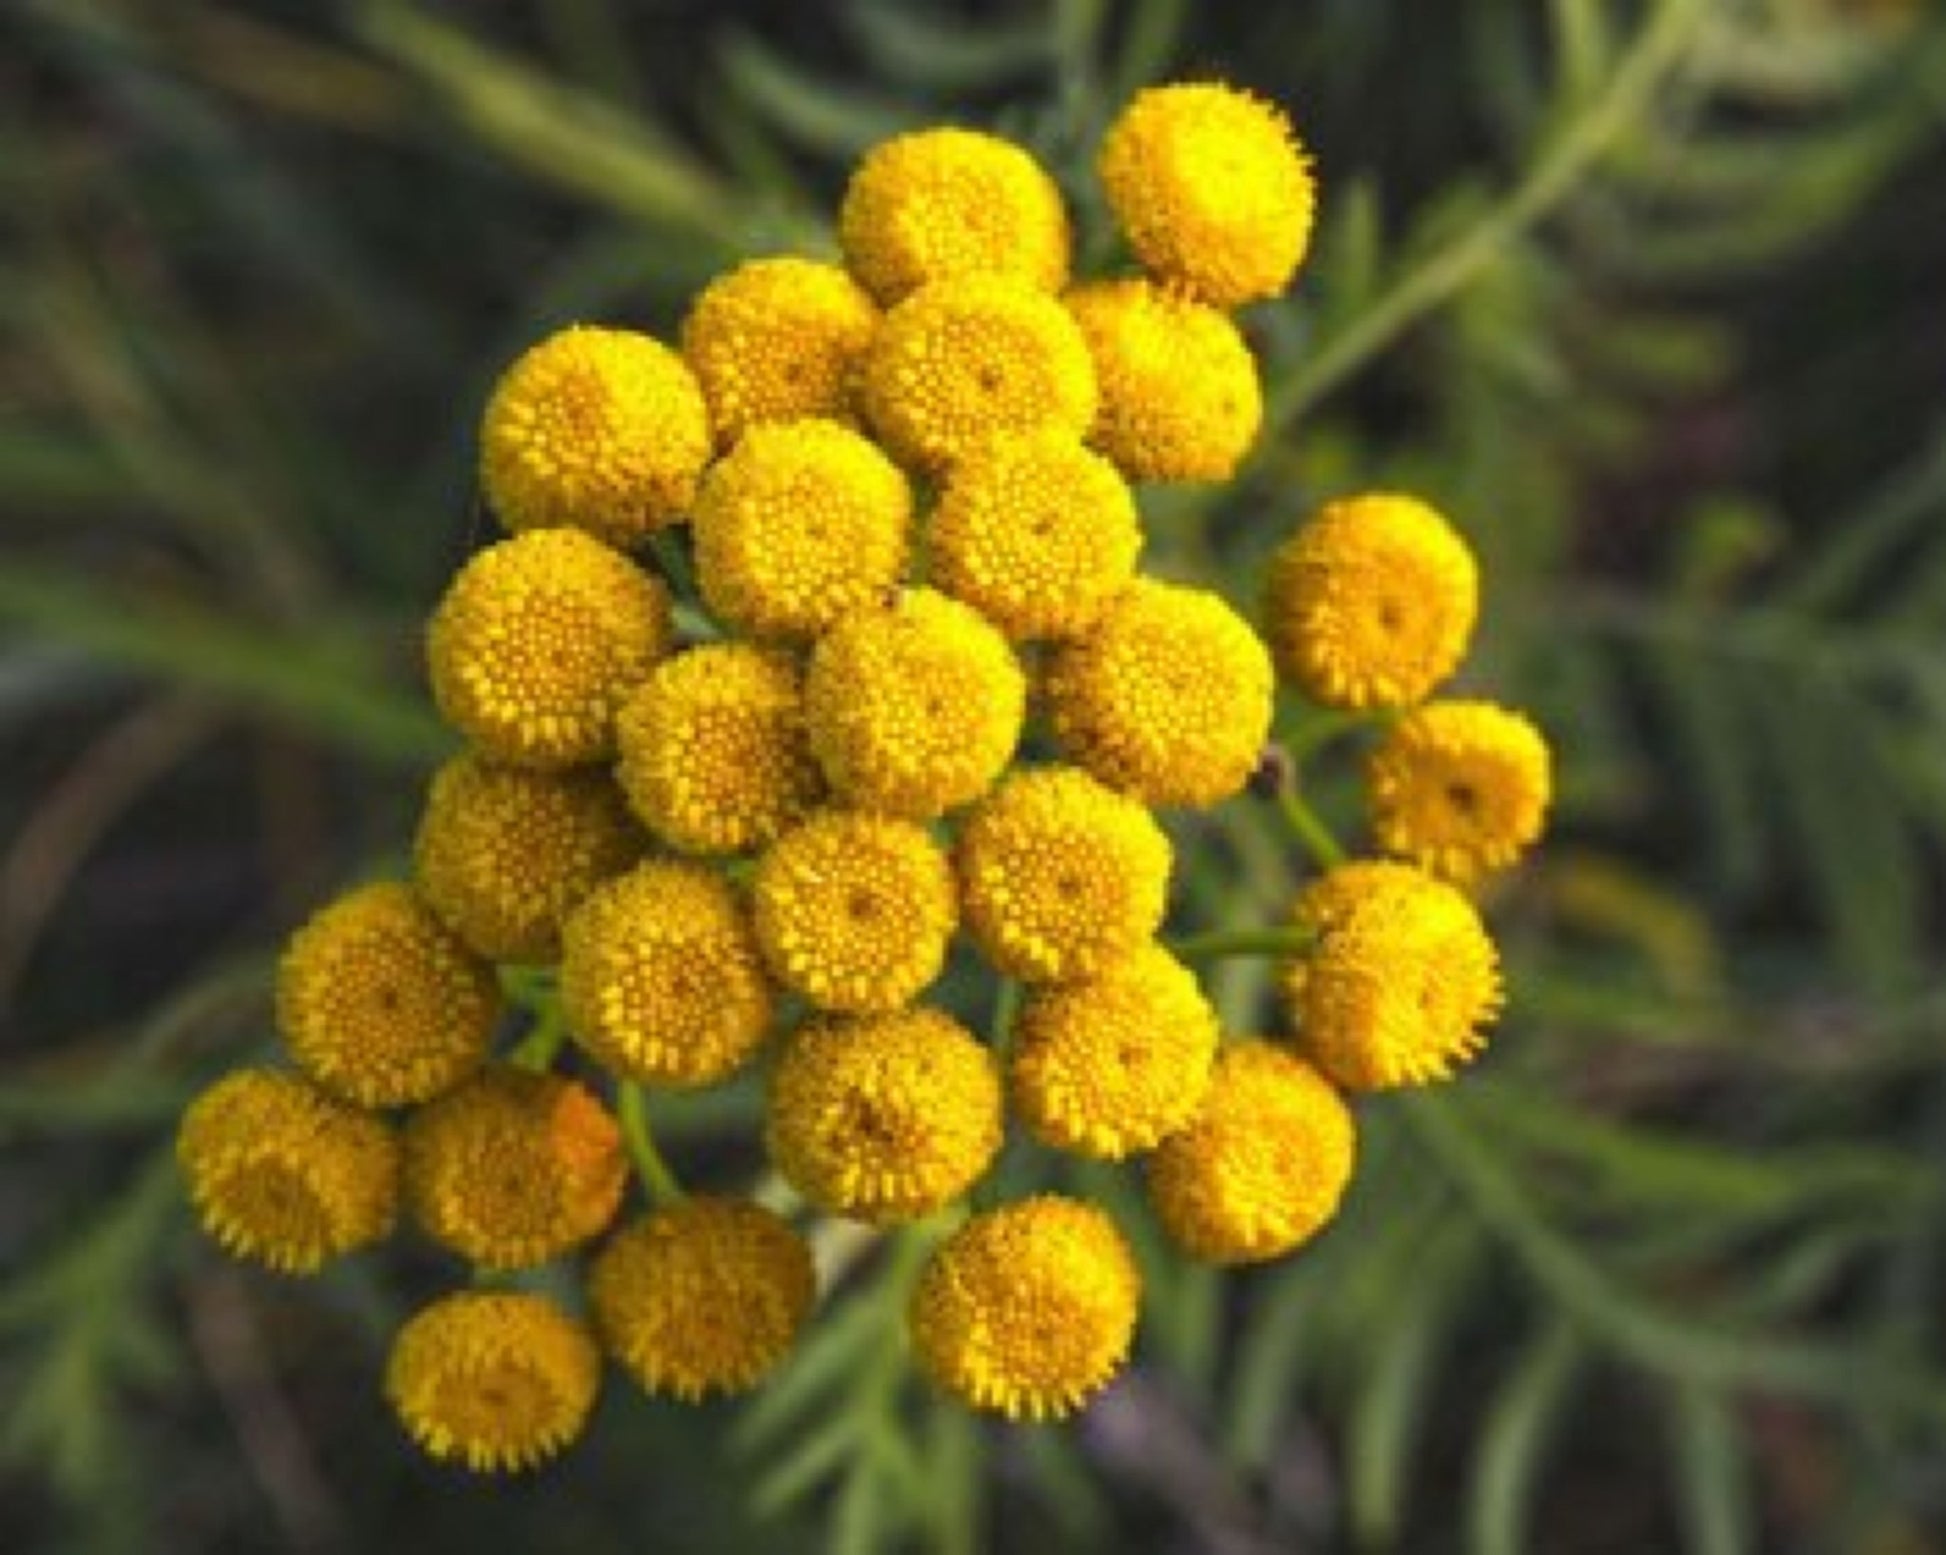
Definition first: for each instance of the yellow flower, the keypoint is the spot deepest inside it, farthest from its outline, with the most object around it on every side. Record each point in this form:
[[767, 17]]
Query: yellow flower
[[595, 429], [1037, 533], [282, 1174], [497, 1380], [380, 1003], [1179, 393], [704, 1295], [778, 340], [660, 977], [1060, 876], [1027, 1310], [504, 854], [1168, 699], [884, 1119], [1263, 1166], [513, 1169], [715, 756], [1111, 1065], [1371, 603], [1212, 190], [1460, 788], [914, 705], [854, 911], [943, 203], [539, 641], [960, 362], [1400, 982], [796, 526]]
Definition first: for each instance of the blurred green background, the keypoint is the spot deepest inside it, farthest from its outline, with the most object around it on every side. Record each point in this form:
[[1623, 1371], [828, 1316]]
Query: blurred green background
[[1646, 295]]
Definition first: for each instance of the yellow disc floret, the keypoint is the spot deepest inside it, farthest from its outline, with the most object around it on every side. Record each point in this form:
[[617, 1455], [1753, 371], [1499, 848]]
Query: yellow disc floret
[[961, 362], [941, 203], [1211, 189], [703, 1296], [715, 756], [1371, 604], [504, 854], [380, 1003], [539, 641], [1059, 875], [496, 1380], [778, 340], [1028, 1310], [854, 911], [914, 705], [1111, 1065], [513, 1168], [797, 525], [1168, 699], [661, 979], [1037, 533], [595, 429], [884, 1119], [1401, 980], [1179, 394], [1460, 788], [1263, 1166], [284, 1175]]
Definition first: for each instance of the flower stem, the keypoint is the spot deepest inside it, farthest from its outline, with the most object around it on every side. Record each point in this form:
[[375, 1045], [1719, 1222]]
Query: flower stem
[[543, 1041], [1225, 944], [1310, 830], [649, 1165]]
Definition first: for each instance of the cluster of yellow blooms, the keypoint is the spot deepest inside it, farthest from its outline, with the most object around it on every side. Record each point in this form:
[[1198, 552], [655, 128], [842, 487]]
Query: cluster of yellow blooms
[[746, 695]]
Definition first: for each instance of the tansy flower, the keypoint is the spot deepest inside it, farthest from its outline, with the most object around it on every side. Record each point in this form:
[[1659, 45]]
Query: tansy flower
[[1371, 603], [1060, 876], [1261, 1168], [595, 429], [960, 362], [1111, 1065], [284, 1175], [854, 911], [1037, 533], [513, 1169], [715, 757], [884, 1119], [380, 1003], [1027, 1310], [1459, 787], [704, 1295], [1401, 980], [538, 642], [777, 340], [1168, 699], [497, 1380], [504, 854], [796, 526], [1211, 189], [942, 203], [660, 976], [1179, 393], [914, 705]]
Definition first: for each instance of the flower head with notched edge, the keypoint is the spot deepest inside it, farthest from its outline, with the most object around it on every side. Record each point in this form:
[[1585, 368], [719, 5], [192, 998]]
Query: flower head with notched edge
[[380, 1003], [1027, 1310], [661, 979], [284, 1175], [497, 1380], [1371, 604], [596, 429], [1263, 1164], [539, 641], [703, 1295], [1460, 788], [884, 1119]]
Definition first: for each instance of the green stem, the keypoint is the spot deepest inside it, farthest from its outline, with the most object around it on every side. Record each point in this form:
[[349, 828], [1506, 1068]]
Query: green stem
[[649, 1165], [1319, 729], [1006, 1014], [1224, 944], [538, 1049], [1310, 830]]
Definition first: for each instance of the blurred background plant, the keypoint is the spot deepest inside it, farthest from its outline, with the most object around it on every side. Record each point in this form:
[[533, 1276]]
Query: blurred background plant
[[1644, 294]]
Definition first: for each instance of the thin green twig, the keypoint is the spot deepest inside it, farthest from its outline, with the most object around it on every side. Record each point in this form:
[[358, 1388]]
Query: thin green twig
[[657, 1178], [1309, 829], [1224, 944]]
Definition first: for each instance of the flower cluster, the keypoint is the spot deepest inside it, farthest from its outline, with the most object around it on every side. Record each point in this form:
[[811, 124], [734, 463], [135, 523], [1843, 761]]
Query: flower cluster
[[817, 647]]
